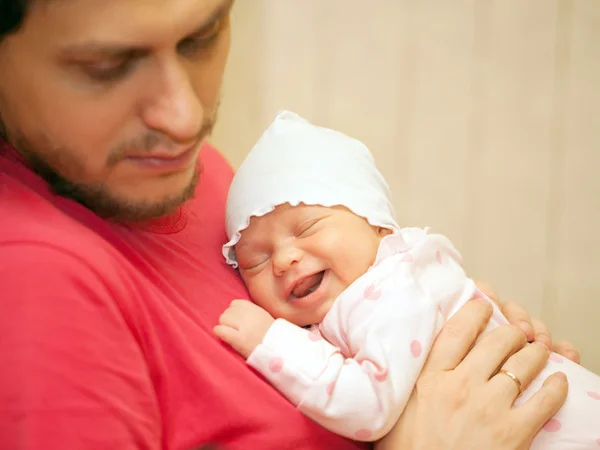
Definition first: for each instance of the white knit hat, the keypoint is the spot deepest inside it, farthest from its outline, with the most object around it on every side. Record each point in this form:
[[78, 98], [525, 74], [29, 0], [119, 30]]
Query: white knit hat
[[297, 162]]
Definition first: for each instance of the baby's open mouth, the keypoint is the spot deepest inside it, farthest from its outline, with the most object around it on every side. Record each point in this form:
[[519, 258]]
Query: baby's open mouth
[[307, 285]]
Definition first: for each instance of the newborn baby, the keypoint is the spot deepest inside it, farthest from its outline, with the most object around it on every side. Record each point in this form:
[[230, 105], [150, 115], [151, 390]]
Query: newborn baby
[[346, 302]]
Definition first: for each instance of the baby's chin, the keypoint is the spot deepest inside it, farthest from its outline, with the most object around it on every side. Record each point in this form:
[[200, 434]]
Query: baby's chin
[[302, 322], [301, 317], [315, 319]]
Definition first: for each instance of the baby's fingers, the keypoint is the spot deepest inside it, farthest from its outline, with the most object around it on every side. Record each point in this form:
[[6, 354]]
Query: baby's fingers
[[227, 334], [232, 317]]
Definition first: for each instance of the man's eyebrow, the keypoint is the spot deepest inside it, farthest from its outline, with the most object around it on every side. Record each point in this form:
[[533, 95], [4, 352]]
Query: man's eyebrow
[[114, 49], [215, 16]]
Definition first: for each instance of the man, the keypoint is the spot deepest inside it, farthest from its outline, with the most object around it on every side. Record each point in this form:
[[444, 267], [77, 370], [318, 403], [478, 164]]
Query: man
[[111, 223]]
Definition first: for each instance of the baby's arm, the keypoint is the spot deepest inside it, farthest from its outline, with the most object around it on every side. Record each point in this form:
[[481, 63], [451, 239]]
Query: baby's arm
[[387, 321], [360, 397]]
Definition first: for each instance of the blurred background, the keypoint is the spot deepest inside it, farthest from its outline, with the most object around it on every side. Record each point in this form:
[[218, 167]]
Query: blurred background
[[484, 116]]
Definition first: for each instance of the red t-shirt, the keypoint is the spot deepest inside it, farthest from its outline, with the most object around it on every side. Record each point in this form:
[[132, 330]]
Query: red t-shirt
[[106, 335]]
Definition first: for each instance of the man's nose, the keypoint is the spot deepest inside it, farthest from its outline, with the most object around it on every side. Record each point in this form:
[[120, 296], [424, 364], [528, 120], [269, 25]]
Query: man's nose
[[173, 107]]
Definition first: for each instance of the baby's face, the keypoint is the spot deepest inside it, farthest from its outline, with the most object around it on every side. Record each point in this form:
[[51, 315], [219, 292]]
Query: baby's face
[[295, 261]]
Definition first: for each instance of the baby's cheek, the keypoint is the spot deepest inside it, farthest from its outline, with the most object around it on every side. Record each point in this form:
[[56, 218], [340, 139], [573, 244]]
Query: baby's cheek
[[332, 244], [264, 295], [257, 290], [353, 263]]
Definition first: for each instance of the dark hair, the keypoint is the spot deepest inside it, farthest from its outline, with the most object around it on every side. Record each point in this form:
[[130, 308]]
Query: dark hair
[[12, 15]]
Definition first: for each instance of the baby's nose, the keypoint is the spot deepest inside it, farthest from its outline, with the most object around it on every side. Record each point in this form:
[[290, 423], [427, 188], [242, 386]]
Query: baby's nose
[[285, 259]]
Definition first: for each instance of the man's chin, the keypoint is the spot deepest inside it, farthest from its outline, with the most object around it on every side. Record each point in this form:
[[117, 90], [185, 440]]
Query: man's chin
[[122, 209], [112, 202], [119, 207]]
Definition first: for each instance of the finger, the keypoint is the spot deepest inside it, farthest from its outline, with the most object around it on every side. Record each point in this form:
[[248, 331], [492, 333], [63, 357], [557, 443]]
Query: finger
[[458, 335], [525, 365], [240, 303], [518, 317], [541, 332], [491, 351], [242, 307], [532, 415], [230, 319], [488, 290], [227, 334], [568, 350]]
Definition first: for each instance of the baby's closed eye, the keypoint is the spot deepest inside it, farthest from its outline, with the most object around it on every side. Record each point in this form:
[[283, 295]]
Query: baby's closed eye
[[252, 263], [307, 228]]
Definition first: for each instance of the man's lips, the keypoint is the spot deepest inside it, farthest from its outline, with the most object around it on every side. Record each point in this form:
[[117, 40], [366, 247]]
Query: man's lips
[[165, 161], [162, 155]]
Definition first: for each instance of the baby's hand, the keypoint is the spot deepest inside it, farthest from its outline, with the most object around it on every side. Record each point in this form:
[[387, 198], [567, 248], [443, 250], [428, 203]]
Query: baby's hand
[[243, 326]]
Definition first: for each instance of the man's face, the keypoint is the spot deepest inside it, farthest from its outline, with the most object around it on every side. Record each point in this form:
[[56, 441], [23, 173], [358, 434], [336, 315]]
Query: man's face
[[110, 99]]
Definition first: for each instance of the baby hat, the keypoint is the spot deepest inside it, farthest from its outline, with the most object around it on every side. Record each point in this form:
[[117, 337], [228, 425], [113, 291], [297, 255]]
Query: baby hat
[[296, 162]]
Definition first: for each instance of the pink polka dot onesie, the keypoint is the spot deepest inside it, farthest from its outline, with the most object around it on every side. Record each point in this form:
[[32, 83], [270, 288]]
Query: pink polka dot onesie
[[354, 372]]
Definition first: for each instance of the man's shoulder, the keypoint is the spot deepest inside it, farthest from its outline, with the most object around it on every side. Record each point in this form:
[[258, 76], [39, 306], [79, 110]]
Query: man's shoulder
[[46, 256], [32, 224]]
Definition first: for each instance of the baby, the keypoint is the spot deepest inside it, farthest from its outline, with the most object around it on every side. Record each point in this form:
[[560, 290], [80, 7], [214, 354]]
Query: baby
[[346, 303]]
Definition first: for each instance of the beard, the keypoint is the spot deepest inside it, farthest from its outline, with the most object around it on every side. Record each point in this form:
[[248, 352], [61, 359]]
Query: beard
[[94, 195]]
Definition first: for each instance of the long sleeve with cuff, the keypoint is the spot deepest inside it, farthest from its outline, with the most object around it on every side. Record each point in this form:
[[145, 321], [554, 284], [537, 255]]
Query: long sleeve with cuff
[[357, 380]]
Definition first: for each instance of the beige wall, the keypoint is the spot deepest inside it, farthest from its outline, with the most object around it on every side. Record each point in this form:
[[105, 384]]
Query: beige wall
[[483, 115]]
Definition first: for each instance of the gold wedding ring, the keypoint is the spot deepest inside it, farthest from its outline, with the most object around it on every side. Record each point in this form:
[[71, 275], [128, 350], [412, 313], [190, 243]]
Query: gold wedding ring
[[513, 377]]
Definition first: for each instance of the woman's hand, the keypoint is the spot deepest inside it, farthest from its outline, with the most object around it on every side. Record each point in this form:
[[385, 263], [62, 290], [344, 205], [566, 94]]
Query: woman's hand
[[460, 402], [534, 329]]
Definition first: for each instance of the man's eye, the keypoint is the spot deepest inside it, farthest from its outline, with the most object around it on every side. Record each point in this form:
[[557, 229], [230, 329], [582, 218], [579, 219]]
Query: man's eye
[[105, 71], [202, 40]]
